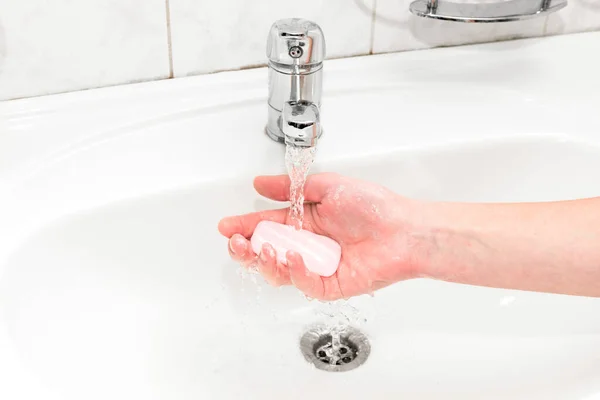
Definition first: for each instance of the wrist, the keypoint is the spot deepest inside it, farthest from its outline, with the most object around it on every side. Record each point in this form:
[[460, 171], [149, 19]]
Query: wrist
[[442, 243], [415, 244]]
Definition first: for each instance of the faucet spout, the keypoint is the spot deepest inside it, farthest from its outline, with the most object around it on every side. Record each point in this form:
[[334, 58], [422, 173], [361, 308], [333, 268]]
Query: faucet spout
[[296, 51], [301, 123]]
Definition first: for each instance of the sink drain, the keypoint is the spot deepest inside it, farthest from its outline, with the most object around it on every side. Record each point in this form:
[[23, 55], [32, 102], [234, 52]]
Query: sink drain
[[335, 349]]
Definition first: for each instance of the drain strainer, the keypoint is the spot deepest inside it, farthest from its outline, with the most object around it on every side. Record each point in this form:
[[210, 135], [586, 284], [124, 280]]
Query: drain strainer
[[335, 349]]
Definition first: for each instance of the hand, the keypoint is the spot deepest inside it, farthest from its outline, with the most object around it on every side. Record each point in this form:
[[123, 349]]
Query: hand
[[368, 221]]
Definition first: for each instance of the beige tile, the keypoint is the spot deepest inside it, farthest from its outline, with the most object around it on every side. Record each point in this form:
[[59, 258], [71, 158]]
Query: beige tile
[[578, 16], [64, 45], [396, 29], [211, 36]]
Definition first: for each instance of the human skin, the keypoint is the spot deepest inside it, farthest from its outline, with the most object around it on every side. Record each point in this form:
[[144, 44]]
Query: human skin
[[386, 238]]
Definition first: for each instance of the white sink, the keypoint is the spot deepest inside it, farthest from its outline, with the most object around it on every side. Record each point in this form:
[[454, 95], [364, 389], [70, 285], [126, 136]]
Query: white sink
[[115, 284]]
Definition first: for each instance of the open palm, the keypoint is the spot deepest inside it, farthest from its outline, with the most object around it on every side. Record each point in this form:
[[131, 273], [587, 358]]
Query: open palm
[[367, 220]]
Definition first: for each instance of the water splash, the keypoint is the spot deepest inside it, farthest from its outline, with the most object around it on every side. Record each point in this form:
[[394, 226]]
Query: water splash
[[339, 313], [336, 344], [338, 316], [298, 161]]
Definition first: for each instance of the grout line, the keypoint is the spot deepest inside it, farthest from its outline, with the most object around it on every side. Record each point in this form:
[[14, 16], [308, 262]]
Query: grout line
[[545, 30], [373, 20], [169, 41]]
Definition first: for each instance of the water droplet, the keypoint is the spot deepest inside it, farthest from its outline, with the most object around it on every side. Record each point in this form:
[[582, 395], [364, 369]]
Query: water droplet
[[507, 300], [370, 291]]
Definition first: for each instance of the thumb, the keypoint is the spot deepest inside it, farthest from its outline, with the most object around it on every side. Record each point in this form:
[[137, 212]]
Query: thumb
[[278, 187]]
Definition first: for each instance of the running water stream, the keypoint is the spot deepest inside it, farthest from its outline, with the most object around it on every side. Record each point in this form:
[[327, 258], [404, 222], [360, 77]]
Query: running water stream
[[336, 344], [298, 161]]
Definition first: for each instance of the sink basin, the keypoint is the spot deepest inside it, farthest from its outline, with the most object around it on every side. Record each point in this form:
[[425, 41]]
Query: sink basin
[[115, 284]]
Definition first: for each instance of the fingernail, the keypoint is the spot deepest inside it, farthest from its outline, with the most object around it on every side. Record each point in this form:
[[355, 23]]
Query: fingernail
[[263, 256], [240, 243]]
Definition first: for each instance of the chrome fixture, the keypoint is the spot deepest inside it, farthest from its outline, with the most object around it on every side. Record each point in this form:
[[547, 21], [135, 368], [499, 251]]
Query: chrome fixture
[[296, 51], [499, 11]]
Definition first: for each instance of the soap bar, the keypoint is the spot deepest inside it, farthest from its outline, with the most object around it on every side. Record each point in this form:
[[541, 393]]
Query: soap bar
[[321, 254]]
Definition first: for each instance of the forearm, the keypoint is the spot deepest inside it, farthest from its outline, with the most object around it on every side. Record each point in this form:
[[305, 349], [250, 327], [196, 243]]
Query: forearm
[[547, 247]]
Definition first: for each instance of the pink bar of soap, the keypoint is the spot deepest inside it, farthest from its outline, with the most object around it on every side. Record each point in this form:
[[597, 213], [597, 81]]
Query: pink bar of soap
[[321, 254]]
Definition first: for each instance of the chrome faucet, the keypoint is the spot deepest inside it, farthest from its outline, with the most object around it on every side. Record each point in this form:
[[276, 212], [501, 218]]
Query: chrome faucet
[[296, 51]]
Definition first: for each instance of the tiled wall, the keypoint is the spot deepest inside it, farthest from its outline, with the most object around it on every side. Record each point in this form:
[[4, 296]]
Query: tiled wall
[[65, 45]]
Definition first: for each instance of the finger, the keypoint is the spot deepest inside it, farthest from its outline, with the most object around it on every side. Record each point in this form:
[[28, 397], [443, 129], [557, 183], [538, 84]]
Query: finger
[[240, 250], [307, 282], [245, 224], [278, 187], [273, 272], [273, 187]]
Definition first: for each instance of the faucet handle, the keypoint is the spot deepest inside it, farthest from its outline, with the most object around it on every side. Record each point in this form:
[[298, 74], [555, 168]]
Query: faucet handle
[[301, 123], [296, 41]]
